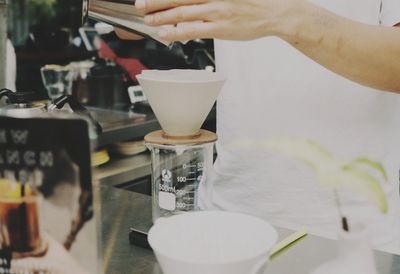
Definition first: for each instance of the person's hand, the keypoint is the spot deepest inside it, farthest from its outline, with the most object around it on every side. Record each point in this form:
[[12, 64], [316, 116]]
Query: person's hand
[[223, 19], [126, 35]]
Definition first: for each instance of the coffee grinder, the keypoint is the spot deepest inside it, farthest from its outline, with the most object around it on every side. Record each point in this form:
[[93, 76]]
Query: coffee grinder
[[181, 153]]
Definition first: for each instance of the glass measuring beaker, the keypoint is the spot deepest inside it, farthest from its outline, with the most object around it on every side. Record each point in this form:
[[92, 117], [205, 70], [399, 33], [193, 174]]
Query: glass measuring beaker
[[177, 172], [57, 80]]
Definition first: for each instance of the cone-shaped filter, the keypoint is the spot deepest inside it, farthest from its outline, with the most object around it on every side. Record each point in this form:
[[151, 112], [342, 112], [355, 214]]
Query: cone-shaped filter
[[181, 99]]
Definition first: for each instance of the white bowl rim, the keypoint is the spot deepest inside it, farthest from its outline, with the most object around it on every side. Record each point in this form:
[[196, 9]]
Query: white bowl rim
[[274, 239], [216, 77]]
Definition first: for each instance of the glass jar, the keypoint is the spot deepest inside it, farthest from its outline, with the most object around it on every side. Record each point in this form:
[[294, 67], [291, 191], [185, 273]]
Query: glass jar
[[177, 172]]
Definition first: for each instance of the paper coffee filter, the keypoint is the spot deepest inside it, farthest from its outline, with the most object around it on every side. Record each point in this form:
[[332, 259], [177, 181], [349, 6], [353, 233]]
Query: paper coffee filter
[[181, 99]]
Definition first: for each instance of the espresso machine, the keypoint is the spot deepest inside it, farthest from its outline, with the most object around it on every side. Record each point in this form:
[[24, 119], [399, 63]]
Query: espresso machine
[[181, 153]]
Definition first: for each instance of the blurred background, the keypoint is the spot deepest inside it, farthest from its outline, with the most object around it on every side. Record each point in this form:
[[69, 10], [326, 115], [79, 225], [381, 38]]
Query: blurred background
[[57, 61], [47, 32], [53, 60]]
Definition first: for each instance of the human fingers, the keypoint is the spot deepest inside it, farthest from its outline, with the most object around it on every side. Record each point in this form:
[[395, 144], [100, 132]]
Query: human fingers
[[189, 31], [126, 35], [149, 6], [180, 14]]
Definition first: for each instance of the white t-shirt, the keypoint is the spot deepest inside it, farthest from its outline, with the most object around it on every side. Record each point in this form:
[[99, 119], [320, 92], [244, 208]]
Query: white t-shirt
[[273, 90]]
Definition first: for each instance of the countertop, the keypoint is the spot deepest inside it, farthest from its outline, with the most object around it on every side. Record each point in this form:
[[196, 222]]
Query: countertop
[[123, 125], [121, 209]]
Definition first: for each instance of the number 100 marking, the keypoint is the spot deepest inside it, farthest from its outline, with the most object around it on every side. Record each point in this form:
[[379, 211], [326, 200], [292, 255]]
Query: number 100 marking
[[181, 179]]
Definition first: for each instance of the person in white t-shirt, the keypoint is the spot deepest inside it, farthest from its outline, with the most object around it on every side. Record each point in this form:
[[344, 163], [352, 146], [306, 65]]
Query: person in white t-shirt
[[304, 68]]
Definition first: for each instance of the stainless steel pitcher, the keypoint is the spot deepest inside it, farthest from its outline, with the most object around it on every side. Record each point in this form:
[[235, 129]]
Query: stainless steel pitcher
[[121, 14]]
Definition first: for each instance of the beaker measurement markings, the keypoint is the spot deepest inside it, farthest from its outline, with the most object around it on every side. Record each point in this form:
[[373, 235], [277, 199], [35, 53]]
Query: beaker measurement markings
[[199, 166], [188, 196], [188, 201], [185, 166], [183, 179], [184, 205]]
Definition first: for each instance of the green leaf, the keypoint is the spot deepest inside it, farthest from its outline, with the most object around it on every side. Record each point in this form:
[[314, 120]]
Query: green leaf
[[372, 164], [364, 183]]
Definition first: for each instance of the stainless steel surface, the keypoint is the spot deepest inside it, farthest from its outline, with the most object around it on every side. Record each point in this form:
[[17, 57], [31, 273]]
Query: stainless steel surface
[[121, 126], [122, 14], [17, 110], [121, 210], [124, 170]]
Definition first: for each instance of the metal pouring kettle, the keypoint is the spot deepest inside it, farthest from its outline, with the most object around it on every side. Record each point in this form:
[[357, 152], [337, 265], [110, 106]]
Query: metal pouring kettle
[[121, 14], [22, 105]]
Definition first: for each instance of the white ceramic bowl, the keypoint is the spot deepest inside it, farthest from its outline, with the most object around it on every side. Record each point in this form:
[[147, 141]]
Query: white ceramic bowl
[[212, 242], [181, 99]]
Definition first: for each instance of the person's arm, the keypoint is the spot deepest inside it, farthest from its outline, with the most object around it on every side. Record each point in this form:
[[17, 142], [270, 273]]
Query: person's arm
[[369, 55]]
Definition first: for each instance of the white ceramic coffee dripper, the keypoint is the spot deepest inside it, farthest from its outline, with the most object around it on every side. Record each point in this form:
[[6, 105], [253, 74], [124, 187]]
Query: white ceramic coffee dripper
[[181, 99], [212, 242]]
